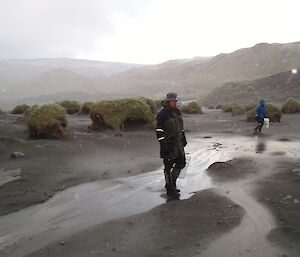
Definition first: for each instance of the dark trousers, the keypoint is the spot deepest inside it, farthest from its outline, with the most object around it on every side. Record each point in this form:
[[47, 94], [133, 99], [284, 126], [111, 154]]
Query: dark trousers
[[261, 122], [173, 166]]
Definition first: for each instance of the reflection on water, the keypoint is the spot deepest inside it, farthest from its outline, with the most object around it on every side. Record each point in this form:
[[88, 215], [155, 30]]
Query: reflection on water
[[89, 204], [261, 146]]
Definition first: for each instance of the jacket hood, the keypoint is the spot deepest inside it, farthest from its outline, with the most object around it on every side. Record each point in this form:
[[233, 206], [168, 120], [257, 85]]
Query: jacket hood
[[262, 102]]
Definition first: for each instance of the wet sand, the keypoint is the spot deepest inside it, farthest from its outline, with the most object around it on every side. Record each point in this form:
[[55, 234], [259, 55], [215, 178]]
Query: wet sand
[[260, 185]]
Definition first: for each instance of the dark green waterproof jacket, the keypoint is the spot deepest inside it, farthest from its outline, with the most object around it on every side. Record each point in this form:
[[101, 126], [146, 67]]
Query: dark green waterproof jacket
[[170, 132]]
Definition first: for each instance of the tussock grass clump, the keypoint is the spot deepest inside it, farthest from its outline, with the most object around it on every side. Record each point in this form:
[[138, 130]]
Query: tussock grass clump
[[86, 108], [219, 106], [150, 103], [71, 107], [290, 106], [115, 114], [274, 113], [250, 106], [20, 109], [29, 111], [228, 107], [158, 103], [237, 109], [191, 108], [211, 107], [47, 121], [234, 108]]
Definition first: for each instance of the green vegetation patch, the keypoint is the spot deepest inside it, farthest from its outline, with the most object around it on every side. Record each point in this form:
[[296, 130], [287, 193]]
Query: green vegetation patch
[[115, 113], [86, 108], [20, 109], [71, 107], [250, 106], [274, 113], [47, 121], [191, 108], [158, 103], [150, 103], [290, 106], [234, 108]]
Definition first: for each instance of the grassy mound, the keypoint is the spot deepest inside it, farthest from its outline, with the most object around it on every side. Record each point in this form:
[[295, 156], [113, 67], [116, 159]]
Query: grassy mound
[[274, 113], [250, 106], [228, 107], [219, 106], [150, 103], [237, 109], [115, 114], [20, 109], [290, 106], [158, 104], [234, 108], [86, 108], [71, 107], [191, 108], [47, 121]]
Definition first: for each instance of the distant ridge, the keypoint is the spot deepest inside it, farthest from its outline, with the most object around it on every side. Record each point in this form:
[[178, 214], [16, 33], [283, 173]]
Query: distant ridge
[[276, 88]]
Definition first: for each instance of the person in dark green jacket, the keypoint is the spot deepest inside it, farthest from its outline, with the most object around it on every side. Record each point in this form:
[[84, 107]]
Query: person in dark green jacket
[[171, 136]]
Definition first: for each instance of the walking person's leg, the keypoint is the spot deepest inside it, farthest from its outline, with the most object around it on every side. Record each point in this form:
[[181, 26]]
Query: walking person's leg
[[180, 163], [169, 163], [261, 123]]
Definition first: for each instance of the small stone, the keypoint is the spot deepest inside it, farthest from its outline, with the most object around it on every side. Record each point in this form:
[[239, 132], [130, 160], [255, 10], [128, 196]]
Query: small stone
[[16, 155], [62, 243], [288, 197]]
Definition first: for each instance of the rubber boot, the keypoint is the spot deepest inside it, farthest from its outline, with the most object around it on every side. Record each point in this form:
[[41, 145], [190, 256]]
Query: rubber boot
[[171, 191], [178, 190]]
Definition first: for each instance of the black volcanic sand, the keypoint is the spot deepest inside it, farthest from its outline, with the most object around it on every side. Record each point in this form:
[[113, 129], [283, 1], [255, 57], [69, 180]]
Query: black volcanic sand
[[281, 194], [237, 168], [178, 228], [53, 165]]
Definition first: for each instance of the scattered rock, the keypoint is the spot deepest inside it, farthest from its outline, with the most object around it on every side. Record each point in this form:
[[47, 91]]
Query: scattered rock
[[17, 155], [219, 165], [284, 139], [62, 243]]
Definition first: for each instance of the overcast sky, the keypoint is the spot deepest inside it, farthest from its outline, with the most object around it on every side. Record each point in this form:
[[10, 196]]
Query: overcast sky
[[142, 31]]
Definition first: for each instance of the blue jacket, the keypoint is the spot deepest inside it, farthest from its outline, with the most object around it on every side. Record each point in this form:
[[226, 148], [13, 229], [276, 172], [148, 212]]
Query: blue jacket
[[261, 110]]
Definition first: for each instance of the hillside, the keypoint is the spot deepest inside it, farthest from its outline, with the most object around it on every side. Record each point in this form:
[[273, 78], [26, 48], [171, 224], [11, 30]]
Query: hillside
[[199, 77], [276, 88], [54, 82], [12, 71]]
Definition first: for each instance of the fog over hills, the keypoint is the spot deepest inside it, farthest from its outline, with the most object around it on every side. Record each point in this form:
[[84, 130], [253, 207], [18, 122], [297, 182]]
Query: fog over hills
[[26, 80], [44, 80], [17, 70], [197, 78]]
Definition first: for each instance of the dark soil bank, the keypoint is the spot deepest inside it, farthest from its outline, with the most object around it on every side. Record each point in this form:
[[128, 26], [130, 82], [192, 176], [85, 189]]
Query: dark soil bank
[[54, 165], [281, 193]]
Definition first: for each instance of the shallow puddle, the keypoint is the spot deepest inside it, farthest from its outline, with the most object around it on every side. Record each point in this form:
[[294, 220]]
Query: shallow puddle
[[93, 203]]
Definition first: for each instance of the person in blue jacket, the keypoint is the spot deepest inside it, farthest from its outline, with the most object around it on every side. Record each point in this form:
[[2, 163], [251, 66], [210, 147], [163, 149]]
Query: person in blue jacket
[[260, 115]]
